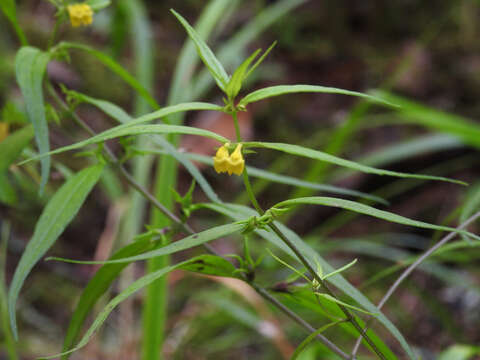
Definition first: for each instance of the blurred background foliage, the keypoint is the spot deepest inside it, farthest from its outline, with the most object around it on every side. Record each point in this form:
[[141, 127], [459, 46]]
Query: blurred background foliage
[[426, 53]]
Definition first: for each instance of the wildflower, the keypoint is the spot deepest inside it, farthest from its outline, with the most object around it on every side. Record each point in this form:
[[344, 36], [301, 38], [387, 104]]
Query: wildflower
[[3, 130], [80, 14], [232, 164], [237, 163], [221, 159]]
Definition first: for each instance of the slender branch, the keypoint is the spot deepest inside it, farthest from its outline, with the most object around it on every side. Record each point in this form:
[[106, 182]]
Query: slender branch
[[185, 227], [266, 295], [298, 253], [408, 271]]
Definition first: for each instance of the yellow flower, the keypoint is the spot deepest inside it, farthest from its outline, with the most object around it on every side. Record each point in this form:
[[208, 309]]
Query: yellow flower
[[231, 164], [80, 14], [221, 159], [3, 130], [236, 161]]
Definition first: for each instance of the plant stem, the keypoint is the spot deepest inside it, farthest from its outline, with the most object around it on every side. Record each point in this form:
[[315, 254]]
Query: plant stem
[[408, 271], [185, 227], [297, 252]]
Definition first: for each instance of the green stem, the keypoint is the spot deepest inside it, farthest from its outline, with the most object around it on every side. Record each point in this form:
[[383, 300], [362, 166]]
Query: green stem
[[187, 229], [296, 251]]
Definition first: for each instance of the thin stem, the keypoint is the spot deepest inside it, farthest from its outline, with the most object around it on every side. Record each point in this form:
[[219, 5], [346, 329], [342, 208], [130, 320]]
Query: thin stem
[[266, 295], [56, 27], [409, 270], [185, 227], [298, 253]]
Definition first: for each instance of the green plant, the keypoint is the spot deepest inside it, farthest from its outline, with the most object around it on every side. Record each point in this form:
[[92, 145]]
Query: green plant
[[346, 312]]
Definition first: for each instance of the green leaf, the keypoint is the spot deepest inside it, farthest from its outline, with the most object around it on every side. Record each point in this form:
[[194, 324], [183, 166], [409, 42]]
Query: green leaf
[[107, 107], [102, 316], [418, 114], [133, 288], [8, 195], [120, 115], [260, 60], [228, 53], [272, 91], [332, 299], [97, 5], [368, 210], [98, 285], [312, 337], [207, 56], [321, 156], [289, 180], [120, 131], [239, 212], [459, 352], [12, 146], [10, 10], [30, 67], [58, 213], [338, 271], [235, 83], [210, 265], [284, 263], [180, 245], [116, 68]]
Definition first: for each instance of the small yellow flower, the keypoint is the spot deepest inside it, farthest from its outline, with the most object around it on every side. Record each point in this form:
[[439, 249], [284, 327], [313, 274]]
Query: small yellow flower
[[237, 163], [80, 14], [221, 159], [3, 130], [231, 164]]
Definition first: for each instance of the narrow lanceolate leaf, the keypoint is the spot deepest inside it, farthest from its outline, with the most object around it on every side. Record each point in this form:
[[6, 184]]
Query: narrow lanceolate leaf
[[121, 116], [289, 180], [142, 282], [136, 130], [321, 156], [58, 213], [102, 316], [207, 56], [30, 66], [180, 245], [368, 210], [272, 91], [418, 114], [10, 10], [235, 83], [12, 146], [97, 286]]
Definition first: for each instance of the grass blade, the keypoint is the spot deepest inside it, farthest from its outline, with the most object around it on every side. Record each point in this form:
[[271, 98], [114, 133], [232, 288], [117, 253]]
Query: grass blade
[[9, 8], [98, 285], [133, 288]]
